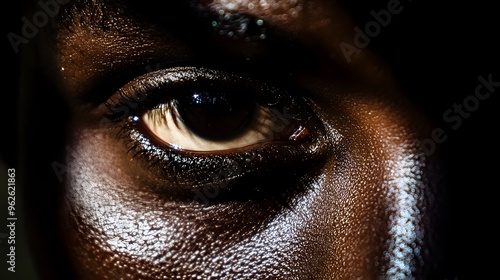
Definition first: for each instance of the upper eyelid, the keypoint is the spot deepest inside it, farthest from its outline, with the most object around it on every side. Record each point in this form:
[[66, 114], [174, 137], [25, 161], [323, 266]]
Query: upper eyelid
[[146, 92]]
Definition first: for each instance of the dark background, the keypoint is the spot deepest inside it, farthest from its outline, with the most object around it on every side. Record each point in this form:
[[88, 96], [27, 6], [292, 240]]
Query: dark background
[[438, 51]]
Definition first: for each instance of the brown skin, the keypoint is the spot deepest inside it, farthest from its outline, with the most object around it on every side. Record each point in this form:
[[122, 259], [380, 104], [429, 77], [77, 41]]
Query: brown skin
[[357, 206]]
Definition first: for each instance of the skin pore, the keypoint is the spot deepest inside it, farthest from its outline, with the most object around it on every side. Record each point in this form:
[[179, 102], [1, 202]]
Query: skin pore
[[351, 198]]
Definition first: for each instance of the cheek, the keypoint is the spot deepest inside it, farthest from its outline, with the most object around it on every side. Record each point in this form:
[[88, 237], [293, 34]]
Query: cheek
[[117, 228], [374, 206]]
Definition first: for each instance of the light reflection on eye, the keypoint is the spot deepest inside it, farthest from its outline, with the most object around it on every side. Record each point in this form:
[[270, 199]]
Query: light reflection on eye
[[220, 121]]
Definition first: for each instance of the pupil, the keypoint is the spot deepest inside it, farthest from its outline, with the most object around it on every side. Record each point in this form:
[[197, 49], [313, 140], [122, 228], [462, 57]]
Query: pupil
[[219, 116]]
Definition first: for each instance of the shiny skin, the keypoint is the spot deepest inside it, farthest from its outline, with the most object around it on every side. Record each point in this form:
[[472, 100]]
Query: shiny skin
[[365, 208]]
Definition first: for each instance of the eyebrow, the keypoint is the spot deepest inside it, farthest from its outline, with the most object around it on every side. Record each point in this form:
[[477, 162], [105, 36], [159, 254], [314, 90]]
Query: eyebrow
[[197, 17], [197, 24]]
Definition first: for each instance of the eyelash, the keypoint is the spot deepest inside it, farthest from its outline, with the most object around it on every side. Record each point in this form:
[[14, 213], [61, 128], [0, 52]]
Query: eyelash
[[159, 113], [124, 109]]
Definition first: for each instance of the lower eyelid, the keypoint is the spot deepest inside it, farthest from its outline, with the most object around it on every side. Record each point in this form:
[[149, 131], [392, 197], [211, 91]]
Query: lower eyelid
[[183, 172]]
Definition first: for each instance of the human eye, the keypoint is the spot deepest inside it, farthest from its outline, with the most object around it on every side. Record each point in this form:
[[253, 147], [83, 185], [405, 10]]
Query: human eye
[[223, 112], [188, 123]]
